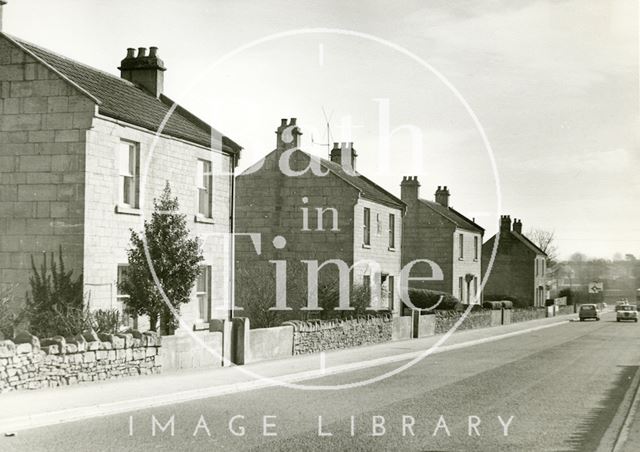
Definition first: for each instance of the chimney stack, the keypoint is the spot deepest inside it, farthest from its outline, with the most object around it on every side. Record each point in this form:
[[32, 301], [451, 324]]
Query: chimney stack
[[505, 224], [288, 135], [517, 226], [442, 196], [344, 155], [2, 3], [409, 189], [145, 71]]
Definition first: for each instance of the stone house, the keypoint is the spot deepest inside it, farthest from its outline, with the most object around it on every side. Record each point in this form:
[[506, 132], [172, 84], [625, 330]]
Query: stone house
[[332, 213], [82, 155], [519, 267], [435, 231]]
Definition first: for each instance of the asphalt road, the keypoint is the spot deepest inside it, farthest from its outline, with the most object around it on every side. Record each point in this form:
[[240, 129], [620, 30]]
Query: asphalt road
[[562, 388]]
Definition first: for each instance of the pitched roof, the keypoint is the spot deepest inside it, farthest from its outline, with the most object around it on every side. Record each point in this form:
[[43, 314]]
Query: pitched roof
[[455, 217], [120, 99], [528, 243], [522, 239], [368, 189]]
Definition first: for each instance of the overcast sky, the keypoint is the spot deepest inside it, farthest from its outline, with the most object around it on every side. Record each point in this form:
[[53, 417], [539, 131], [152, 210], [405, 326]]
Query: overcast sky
[[553, 83]]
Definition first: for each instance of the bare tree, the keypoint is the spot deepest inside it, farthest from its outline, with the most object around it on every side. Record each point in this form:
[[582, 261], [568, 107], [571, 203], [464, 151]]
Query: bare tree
[[546, 241]]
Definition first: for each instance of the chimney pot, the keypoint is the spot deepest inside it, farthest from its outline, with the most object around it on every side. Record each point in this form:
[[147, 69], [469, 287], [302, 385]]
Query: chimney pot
[[409, 189], [336, 145], [442, 196], [283, 122], [293, 122], [292, 141], [146, 72]]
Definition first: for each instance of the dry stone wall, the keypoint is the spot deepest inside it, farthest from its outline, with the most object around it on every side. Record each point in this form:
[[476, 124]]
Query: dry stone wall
[[318, 335], [28, 363]]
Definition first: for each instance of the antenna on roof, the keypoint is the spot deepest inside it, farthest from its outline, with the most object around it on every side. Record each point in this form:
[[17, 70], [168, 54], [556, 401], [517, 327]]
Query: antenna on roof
[[329, 137]]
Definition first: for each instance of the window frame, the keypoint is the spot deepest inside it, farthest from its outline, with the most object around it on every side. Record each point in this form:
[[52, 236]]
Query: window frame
[[461, 288], [392, 231], [476, 250], [206, 271], [204, 187], [129, 195], [366, 225], [461, 246]]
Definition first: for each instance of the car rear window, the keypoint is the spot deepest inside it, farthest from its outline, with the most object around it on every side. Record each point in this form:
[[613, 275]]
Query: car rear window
[[587, 308]]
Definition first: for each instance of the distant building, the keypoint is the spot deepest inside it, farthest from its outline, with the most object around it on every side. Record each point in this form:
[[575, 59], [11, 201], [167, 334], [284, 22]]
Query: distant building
[[435, 231], [519, 266], [75, 142], [338, 215]]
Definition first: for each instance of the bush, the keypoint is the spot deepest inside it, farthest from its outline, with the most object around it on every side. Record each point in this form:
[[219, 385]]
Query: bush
[[106, 321], [8, 318], [493, 305], [56, 303], [430, 299], [507, 304], [549, 302], [567, 293]]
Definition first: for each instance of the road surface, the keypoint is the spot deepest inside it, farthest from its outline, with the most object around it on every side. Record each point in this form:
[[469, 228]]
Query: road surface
[[569, 387]]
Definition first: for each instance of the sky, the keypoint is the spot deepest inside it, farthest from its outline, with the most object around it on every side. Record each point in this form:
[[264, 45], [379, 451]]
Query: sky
[[554, 86]]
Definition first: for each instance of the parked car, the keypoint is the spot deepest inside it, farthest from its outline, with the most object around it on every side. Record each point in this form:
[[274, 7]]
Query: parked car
[[588, 311], [626, 312]]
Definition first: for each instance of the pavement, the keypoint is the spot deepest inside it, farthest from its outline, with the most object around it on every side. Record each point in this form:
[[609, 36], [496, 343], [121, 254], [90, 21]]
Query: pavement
[[31, 409], [542, 386]]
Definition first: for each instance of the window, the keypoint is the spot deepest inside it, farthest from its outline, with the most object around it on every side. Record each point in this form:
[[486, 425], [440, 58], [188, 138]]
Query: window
[[475, 289], [367, 226], [392, 231], [121, 296], [391, 288], [203, 292], [204, 182], [378, 224], [129, 156], [461, 288], [461, 246], [475, 247], [366, 282]]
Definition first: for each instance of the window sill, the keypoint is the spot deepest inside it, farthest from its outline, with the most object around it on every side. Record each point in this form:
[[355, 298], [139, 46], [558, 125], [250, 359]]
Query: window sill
[[391, 249], [202, 219], [366, 247], [461, 258], [475, 260], [126, 209]]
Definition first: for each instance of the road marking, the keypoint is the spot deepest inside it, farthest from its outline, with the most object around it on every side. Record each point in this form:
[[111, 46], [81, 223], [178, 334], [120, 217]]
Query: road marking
[[118, 407]]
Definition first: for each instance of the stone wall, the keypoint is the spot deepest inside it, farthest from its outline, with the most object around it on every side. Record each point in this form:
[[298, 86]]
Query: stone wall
[[523, 315], [269, 343], [316, 335], [446, 319], [28, 363]]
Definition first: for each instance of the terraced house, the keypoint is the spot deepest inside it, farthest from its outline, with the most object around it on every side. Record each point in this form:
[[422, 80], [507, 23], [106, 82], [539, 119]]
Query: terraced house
[[75, 143], [334, 213], [435, 231]]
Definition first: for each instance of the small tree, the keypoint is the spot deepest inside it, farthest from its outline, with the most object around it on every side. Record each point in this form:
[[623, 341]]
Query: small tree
[[56, 303], [174, 257], [546, 241], [8, 317]]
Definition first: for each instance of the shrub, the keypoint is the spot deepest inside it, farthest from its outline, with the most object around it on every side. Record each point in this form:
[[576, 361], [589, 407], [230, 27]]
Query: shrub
[[507, 304], [106, 321], [493, 305], [8, 318], [549, 302], [430, 299], [56, 303], [567, 293]]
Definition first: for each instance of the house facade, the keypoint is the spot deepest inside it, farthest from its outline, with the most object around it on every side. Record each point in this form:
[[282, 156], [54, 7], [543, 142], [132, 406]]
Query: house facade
[[434, 231], [331, 213], [81, 160], [519, 266]]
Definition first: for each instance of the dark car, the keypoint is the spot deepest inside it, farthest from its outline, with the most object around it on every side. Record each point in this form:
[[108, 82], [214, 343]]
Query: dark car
[[588, 311]]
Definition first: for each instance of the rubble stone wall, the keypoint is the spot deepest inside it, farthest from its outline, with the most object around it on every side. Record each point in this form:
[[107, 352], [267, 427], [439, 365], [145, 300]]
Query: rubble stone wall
[[318, 335], [28, 363]]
